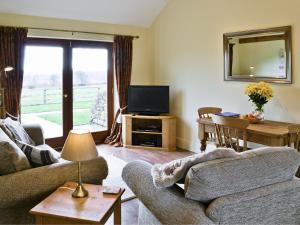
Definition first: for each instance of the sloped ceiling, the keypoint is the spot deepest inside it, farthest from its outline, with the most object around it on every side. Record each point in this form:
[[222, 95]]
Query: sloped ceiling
[[127, 12]]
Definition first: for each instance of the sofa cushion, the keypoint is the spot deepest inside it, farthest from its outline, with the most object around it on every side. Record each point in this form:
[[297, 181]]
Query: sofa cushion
[[40, 155], [252, 169], [12, 159], [166, 175], [17, 132], [5, 129]]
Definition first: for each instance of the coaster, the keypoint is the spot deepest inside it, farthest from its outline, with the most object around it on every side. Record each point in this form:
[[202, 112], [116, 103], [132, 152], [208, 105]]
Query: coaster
[[111, 190]]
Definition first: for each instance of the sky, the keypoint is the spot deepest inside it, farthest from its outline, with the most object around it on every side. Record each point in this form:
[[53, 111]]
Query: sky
[[49, 60]]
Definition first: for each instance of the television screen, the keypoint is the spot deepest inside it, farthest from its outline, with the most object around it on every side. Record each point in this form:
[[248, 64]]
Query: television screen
[[148, 99]]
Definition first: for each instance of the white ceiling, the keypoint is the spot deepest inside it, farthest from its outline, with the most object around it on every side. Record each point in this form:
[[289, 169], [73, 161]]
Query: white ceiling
[[127, 12]]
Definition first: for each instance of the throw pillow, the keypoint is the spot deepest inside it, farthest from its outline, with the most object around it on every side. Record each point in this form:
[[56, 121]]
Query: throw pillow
[[41, 155], [17, 131], [12, 159], [6, 130], [166, 175]]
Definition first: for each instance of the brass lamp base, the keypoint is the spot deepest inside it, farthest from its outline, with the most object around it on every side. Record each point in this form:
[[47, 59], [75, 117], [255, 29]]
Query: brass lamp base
[[80, 192]]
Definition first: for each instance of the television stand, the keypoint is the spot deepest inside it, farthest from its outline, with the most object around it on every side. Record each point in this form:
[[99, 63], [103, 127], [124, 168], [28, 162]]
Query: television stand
[[146, 114], [149, 132]]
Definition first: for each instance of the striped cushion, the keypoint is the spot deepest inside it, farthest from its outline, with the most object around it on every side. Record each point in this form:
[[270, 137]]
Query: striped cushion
[[39, 155], [16, 131]]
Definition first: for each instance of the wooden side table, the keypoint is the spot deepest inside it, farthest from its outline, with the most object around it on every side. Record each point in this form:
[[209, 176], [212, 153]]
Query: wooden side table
[[61, 208]]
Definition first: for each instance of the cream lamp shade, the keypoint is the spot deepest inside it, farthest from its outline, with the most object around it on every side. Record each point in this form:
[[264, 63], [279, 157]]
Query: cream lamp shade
[[79, 146]]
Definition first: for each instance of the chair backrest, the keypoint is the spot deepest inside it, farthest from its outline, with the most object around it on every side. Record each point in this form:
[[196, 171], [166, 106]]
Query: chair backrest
[[294, 141], [207, 112], [294, 137], [230, 130], [249, 170]]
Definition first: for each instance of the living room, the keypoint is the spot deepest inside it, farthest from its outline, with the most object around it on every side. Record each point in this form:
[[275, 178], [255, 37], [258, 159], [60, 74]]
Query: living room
[[177, 44]]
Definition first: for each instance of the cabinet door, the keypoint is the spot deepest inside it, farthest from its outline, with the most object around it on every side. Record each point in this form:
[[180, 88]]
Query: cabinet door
[[127, 130], [169, 133]]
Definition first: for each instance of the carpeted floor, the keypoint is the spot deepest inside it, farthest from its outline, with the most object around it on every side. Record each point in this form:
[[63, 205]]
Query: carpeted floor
[[115, 167], [117, 159]]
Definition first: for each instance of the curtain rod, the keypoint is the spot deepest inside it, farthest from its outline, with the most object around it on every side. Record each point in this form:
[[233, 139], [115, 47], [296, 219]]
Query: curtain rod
[[76, 31]]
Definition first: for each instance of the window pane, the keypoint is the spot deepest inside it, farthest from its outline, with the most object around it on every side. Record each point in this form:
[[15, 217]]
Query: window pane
[[41, 100], [90, 88]]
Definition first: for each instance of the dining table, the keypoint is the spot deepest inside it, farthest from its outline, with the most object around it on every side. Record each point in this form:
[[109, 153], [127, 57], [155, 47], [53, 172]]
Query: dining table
[[266, 132]]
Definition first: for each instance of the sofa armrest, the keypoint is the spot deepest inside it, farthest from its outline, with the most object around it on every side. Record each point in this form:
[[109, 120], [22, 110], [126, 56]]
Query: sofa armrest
[[35, 131], [168, 205], [33, 185]]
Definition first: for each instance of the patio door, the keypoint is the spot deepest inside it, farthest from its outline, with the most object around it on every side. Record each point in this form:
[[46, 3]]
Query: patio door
[[68, 85]]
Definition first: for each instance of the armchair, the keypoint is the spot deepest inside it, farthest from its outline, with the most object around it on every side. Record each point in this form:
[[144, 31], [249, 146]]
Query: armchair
[[21, 191]]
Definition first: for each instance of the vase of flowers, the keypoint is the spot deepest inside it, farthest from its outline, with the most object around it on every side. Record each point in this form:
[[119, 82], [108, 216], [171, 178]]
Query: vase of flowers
[[259, 94]]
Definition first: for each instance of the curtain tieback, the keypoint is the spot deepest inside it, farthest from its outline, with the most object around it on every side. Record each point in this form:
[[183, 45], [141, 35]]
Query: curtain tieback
[[119, 114]]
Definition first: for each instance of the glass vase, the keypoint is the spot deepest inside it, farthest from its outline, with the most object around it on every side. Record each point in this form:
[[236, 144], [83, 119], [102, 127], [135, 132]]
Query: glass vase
[[259, 114]]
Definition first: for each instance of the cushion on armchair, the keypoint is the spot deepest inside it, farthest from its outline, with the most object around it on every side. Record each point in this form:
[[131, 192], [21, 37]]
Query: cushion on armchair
[[12, 159], [252, 169], [16, 131], [40, 155]]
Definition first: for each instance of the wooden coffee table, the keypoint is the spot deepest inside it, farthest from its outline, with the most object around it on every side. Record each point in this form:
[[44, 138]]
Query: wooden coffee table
[[61, 208]]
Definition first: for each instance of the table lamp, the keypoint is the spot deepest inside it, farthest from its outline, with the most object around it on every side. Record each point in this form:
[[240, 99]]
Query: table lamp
[[79, 146]]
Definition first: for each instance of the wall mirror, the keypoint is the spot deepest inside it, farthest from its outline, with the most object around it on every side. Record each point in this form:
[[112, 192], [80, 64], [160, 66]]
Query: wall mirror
[[258, 55]]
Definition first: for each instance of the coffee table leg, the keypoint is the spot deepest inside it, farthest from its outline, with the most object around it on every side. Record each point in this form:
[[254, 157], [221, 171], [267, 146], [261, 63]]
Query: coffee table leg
[[117, 212]]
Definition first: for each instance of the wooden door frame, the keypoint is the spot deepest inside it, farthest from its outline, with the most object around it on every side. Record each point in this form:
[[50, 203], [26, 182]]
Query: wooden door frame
[[67, 85]]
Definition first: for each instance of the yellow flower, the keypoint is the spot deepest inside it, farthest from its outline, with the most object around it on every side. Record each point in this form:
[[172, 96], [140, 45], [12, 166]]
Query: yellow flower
[[263, 89]]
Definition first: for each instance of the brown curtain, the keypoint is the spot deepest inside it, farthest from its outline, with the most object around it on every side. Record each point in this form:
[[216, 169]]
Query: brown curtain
[[123, 66], [12, 46]]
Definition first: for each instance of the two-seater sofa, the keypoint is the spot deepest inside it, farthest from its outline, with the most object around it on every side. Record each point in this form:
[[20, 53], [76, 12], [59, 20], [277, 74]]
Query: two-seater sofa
[[22, 190], [257, 188]]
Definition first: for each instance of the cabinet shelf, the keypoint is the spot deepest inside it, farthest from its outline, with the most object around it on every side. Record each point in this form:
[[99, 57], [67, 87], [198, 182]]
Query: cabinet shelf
[[145, 132], [137, 132]]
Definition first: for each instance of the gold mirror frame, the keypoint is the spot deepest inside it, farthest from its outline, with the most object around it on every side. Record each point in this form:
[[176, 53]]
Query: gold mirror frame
[[286, 35]]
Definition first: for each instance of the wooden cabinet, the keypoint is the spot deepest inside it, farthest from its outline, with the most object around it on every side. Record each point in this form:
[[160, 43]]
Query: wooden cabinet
[[149, 132]]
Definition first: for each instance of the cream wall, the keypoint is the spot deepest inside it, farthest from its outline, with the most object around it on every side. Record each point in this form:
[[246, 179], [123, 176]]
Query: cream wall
[[187, 54], [141, 66]]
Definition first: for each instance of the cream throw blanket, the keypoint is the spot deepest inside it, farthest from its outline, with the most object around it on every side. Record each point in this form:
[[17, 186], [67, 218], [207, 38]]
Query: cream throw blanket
[[166, 175]]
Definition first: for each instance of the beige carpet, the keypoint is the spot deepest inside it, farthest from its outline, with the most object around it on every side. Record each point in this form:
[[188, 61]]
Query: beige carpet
[[115, 167]]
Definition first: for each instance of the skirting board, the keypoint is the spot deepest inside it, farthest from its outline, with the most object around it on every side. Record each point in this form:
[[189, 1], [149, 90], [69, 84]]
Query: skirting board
[[190, 145]]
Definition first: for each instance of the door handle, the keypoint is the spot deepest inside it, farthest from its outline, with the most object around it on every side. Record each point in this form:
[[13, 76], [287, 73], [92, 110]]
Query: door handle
[[65, 95]]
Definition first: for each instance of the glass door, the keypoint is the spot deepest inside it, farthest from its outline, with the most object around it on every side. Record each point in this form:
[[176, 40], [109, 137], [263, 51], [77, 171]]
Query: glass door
[[68, 85], [92, 88], [89, 89], [41, 100]]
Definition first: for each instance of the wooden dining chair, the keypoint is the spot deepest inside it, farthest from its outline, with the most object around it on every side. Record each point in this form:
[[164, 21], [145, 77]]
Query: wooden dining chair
[[230, 131], [207, 112], [294, 137], [294, 142]]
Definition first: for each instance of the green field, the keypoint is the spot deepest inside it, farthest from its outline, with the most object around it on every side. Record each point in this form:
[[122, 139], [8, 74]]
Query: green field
[[38, 100], [80, 118]]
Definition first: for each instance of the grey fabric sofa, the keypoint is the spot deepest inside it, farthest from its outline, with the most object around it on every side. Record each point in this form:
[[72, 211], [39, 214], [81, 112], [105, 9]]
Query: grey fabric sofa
[[21, 191], [259, 188]]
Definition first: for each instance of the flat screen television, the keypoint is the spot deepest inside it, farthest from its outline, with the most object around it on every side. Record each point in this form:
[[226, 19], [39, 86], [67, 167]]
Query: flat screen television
[[148, 100]]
